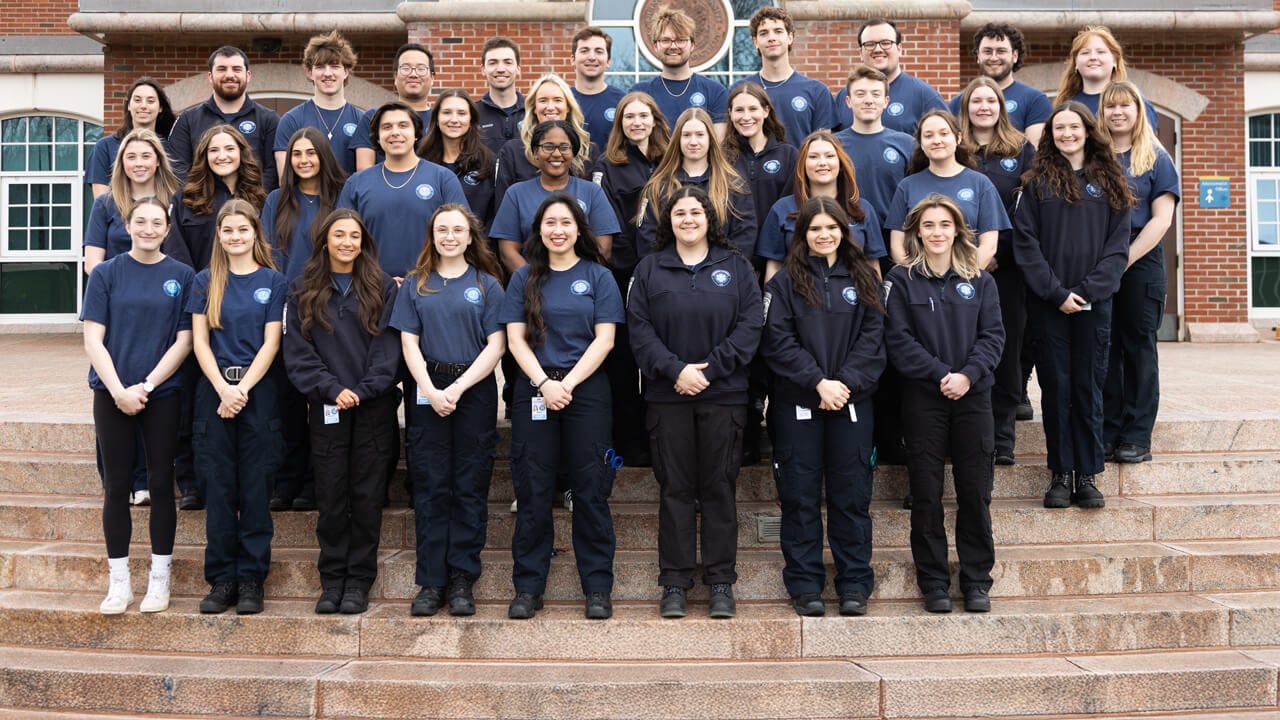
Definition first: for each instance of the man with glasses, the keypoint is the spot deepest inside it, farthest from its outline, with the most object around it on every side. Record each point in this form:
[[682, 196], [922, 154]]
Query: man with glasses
[[328, 60], [414, 69], [229, 78], [802, 104], [999, 48], [909, 97], [592, 52], [502, 107], [678, 87]]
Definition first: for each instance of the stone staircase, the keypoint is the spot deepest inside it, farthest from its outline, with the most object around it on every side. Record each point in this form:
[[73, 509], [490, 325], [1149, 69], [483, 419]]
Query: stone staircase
[[1165, 604]]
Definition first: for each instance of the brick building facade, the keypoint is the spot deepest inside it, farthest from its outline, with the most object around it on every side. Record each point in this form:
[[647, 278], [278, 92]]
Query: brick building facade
[[1194, 76]]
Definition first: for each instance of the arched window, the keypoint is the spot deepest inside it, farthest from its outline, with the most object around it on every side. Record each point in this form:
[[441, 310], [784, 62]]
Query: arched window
[[1264, 209], [46, 205], [733, 61]]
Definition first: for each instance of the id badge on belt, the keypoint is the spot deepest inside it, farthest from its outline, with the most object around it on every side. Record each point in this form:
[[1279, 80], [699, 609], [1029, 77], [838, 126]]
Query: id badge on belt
[[539, 405]]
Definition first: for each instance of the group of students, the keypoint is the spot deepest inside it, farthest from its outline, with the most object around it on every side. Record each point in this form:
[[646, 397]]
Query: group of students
[[646, 298]]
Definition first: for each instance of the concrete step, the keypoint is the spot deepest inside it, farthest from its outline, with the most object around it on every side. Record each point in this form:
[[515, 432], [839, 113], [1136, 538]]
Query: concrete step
[[854, 688], [763, 630], [1025, 571], [67, 473]]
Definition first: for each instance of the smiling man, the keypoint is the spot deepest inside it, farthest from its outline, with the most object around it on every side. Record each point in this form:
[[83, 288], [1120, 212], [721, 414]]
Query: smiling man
[[328, 60], [909, 97], [801, 103], [502, 106], [999, 49], [592, 51], [678, 87], [229, 78], [413, 72]]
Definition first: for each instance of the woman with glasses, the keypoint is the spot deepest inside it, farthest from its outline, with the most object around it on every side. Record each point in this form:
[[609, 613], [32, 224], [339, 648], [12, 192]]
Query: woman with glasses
[[549, 99]]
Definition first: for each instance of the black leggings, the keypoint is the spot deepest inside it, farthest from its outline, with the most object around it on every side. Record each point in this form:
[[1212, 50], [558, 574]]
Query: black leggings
[[117, 437]]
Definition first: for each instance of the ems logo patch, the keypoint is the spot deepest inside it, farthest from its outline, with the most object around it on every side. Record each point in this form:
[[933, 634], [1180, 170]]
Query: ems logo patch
[[891, 156], [721, 277], [965, 195], [247, 127], [1011, 106], [1009, 164], [896, 109], [850, 296], [471, 179], [610, 113], [425, 191], [966, 290], [472, 295], [772, 166], [349, 129], [172, 288], [580, 287], [697, 99], [1093, 190], [262, 296], [799, 104]]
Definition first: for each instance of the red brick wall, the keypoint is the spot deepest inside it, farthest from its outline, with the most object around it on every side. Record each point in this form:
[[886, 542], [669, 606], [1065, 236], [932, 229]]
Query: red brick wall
[[928, 51], [544, 48], [37, 17]]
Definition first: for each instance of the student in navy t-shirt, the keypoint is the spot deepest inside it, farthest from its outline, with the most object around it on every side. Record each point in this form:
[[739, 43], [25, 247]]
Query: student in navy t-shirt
[[413, 72], [1000, 50], [824, 171], [806, 103], [549, 98], [328, 60], [909, 97], [940, 166], [397, 197], [560, 311], [557, 147], [1131, 395], [592, 52], [447, 315], [453, 140], [695, 313], [237, 310], [146, 107], [136, 334], [1098, 61], [678, 88], [140, 169], [341, 353]]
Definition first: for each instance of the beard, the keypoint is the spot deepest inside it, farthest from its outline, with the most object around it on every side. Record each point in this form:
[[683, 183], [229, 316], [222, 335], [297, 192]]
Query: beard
[[227, 94]]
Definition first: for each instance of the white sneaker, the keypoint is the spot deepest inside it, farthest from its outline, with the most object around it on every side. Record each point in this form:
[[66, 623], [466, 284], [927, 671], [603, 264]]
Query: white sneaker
[[140, 497], [568, 500], [157, 597], [514, 505], [119, 596]]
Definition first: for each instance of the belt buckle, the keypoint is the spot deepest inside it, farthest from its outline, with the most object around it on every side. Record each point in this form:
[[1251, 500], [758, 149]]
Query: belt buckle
[[233, 373]]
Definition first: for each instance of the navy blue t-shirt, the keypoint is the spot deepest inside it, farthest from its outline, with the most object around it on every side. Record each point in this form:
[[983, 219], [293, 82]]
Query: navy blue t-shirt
[[453, 318], [102, 161], [574, 301], [299, 246], [397, 207], [106, 228], [143, 309], [598, 111], [970, 189], [514, 220], [1090, 100], [802, 105], [879, 163], [776, 233], [248, 304], [342, 127], [676, 96], [909, 98], [1160, 179], [1026, 105]]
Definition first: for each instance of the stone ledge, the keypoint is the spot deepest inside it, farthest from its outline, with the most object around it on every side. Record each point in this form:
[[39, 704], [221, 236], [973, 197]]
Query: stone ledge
[[1209, 332]]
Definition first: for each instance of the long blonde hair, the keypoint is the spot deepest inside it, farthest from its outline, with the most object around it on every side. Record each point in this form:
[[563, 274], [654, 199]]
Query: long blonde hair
[[1144, 147], [581, 159], [964, 254], [164, 183], [723, 180], [1071, 84], [220, 264]]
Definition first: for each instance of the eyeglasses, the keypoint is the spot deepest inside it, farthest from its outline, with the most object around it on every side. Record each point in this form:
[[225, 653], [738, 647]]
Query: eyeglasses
[[419, 70], [995, 52], [678, 42], [562, 148], [882, 44]]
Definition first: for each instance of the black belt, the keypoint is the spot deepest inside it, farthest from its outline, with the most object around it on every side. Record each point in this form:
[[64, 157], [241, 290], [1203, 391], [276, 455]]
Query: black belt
[[234, 373], [453, 370], [556, 374]]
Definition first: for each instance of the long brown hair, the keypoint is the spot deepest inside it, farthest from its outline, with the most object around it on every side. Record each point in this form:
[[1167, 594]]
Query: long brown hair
[[163, 184], [919, 161], [1052, 172], [317, 280], [220, 263], [473, 154], [1071, 83], [659, 137], [331, 178], [584, 247], [477, 253], [1006, 141], [846, 183], [202, 184], [964, 253], [865, 280], [723, 179], [772, 127]]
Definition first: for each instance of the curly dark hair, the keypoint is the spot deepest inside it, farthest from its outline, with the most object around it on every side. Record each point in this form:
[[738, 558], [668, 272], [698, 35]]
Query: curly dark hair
[[715, 229], [1051, 173]]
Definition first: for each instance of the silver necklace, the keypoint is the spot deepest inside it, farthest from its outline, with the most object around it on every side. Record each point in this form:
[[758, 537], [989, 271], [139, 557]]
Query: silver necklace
[[406, 182], [328, 129], [682, 92]]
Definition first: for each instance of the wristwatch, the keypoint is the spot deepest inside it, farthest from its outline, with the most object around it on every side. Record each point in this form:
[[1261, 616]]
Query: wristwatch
[[147, 387]]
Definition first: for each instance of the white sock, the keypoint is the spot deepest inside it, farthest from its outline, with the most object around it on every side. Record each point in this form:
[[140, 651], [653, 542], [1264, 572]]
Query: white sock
[[119, 566], [160, 564]]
